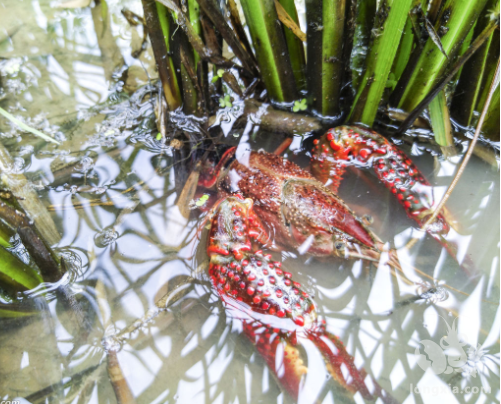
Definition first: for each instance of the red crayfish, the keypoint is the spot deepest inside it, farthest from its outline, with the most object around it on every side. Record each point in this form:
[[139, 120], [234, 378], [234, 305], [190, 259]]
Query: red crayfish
[[268, 200]]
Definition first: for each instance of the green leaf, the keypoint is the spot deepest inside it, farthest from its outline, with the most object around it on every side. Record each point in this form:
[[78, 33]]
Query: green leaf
[[227, 101], [202, 200], [159, 136], [300, 105], [15, 274], [220, 72]]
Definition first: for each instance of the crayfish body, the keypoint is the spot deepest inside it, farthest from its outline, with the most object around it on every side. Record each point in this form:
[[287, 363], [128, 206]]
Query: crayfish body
[[276, 312]]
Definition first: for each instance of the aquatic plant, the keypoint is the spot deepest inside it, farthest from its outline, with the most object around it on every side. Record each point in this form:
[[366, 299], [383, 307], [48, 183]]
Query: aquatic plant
[[362, 57]]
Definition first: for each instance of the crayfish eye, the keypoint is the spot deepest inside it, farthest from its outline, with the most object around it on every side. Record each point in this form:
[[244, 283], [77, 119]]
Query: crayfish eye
[[339, 245], [367, 220]]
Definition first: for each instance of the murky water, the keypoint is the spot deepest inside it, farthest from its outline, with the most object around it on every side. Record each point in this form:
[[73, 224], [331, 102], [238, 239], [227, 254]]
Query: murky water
[[113, 191]]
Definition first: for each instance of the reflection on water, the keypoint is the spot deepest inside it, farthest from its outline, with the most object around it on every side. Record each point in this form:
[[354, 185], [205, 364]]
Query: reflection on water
[[113, 190]]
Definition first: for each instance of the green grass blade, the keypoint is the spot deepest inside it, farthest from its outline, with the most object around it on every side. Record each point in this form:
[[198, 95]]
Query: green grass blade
[[6, 232], [389, 26], [454, 22], [404, 52], [441, 120], [270, 49], [490, 70], [447, 78], [15, 274], [27, 128], [325, 67]]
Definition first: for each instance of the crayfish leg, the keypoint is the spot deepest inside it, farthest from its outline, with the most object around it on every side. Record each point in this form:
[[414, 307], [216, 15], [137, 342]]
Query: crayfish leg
[[281, 356], [285, 360]]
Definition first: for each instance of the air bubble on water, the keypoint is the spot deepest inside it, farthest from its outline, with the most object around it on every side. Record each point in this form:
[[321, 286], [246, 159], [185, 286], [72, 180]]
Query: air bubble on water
[[86, 164], [432, 292], [105, 237]]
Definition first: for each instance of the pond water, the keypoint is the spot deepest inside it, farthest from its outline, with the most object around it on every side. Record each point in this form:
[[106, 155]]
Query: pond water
[[113, 191]]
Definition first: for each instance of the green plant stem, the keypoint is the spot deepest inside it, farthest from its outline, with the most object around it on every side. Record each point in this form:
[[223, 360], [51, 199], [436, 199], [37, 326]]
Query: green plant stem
[[389, 27], [325, 67], [185, 64], [477, 43], [6, 232], [366, 12], [472, 85], [236, 22], [295, 46], [457, 16], [194, 18], [270, 49], [157, 23], [201, 68], [490, 70]]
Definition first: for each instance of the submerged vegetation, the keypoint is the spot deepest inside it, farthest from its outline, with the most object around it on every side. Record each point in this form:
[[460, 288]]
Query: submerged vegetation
[[390, 65]]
